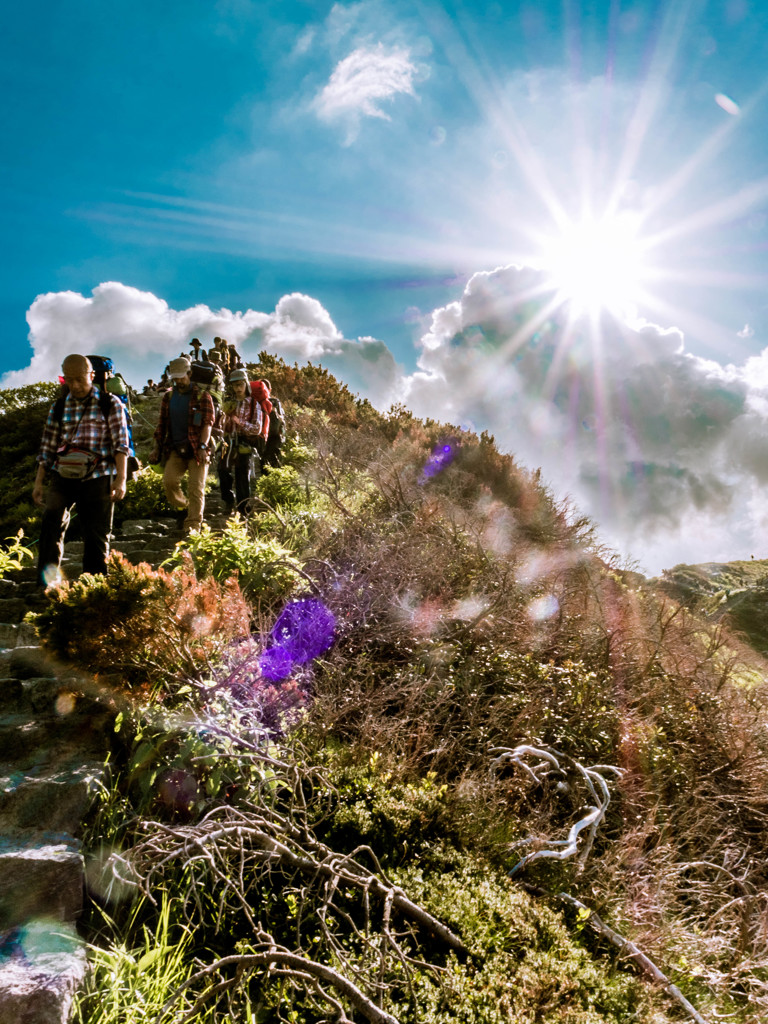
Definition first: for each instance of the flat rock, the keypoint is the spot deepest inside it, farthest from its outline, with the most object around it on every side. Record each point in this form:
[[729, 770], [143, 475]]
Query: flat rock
[[40, 874], [29, 663], [132, 527], [21, 735], [54, 795], [11, 695], [9, 632], [12, 609]]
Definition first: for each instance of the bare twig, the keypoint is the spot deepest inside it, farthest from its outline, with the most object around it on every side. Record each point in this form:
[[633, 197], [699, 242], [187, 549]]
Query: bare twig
[[547, 762]]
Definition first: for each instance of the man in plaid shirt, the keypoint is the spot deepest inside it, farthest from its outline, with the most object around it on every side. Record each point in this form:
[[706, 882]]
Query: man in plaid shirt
[[92, 488]]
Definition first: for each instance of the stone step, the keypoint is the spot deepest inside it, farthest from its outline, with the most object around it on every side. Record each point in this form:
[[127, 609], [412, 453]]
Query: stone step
[[53, 792], [17, 634], [21, 736], [30, 662], [13, 609], [42, 964], [24, 733], [44, 697], [41, 875]]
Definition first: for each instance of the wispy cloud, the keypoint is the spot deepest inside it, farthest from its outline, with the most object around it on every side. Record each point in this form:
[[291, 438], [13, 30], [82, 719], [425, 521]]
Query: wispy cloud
[[361, 82]]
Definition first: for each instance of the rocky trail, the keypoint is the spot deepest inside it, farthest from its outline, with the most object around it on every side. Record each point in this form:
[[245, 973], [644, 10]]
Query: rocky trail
[[55, 736]]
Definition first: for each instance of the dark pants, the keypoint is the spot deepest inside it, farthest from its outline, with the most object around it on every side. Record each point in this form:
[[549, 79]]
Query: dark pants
[[242, 466], [91, 499], [271, 456]]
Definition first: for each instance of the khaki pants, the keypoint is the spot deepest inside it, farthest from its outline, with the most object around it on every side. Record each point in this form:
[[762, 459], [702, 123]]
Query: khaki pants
[[175, 468]]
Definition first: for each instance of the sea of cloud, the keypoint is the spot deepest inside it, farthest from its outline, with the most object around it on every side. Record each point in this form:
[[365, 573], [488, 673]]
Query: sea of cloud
[[665, 450]]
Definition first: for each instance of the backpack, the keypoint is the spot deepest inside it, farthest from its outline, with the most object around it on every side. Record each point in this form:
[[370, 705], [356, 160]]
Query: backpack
[[260, 394], [277, 420], [207, 377]]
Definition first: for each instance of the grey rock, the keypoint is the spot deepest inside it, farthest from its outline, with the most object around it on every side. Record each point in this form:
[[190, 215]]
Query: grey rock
[[158, 544], [20, 736], [29, 663], [11, 694], [12, 609], [132, 527], [52, 795], [26, 635], [9, 632], [130, 547], [41, 973], [40, 875]]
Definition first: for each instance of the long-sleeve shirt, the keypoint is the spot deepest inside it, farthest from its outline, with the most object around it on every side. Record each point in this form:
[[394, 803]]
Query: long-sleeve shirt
[[84, 425], [250, 415]]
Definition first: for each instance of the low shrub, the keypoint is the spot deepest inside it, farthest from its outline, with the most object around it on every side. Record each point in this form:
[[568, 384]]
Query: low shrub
[[15, 556], [264, 568], [158, 630], [281, 488], [144, 497]]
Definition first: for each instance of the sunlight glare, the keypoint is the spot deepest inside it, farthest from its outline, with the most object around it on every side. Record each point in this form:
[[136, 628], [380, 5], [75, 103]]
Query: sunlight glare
[[598, 264]]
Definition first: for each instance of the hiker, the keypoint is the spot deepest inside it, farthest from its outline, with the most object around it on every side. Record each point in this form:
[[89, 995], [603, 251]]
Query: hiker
[[84, 452], [195, 346], [181, 441], [276, 432], [235, 359], [243, 424]]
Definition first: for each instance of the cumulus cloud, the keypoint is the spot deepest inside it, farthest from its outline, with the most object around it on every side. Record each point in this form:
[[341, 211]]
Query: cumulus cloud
[[141, 333], [362, 81], [666, 450], [662, 447]]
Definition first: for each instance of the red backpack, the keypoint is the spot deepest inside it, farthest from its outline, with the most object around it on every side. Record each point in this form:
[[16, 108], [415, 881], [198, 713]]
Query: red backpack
[[260, 394]]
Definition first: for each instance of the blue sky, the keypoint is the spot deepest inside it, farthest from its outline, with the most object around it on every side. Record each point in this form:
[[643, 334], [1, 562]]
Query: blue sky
[[211, 159]]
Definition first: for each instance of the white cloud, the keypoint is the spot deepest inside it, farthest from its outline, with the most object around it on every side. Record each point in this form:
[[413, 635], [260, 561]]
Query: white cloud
[[667, 451], [746, 332], [141, 333], [362, 81]]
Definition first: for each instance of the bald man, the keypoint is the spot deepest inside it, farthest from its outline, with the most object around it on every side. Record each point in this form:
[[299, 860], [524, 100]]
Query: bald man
[[84, 454]]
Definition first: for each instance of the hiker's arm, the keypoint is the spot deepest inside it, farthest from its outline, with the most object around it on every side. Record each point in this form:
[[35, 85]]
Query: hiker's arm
[[209, 415], [37, 488], [118, 483]]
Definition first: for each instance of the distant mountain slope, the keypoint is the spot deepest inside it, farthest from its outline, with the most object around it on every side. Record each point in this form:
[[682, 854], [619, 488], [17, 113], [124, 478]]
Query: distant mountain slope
[[734, 592]]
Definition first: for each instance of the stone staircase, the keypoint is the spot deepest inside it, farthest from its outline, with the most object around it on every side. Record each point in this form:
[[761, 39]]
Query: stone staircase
[[55, 734]]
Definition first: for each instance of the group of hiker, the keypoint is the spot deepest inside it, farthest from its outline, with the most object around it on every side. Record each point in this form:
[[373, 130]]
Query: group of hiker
[[210, 413]]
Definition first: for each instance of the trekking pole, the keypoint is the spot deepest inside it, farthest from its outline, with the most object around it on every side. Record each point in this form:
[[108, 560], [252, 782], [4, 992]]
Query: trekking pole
[[232, 443]]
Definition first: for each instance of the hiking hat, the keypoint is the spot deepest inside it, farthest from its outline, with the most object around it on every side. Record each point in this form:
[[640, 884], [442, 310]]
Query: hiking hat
[[214, 355], [179, 367], [237, 375]]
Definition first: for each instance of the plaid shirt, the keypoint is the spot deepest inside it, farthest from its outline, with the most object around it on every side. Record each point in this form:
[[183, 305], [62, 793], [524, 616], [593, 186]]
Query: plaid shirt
[[251, 428], [83, 425], [201, 414]]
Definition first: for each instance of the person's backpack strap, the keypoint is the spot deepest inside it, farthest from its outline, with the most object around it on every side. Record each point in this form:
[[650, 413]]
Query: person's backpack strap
[[58, 409]]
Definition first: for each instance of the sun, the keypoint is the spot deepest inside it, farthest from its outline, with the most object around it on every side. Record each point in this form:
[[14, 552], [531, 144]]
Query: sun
[[598, 264]]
